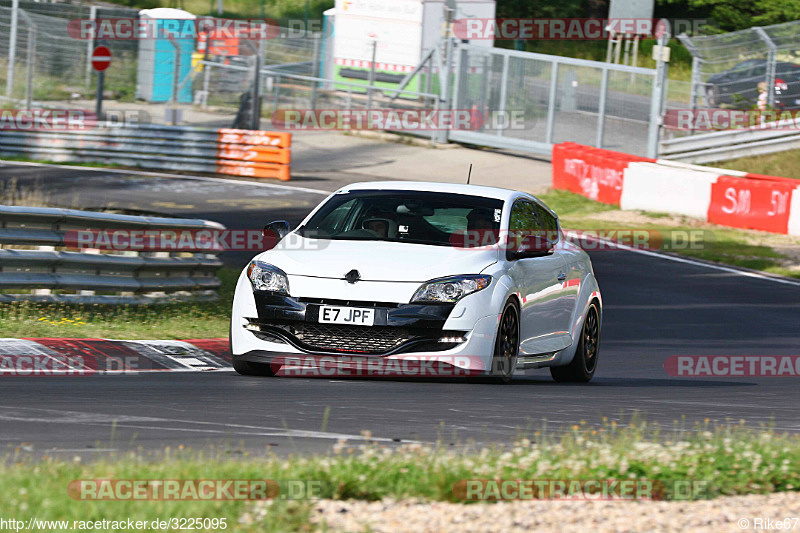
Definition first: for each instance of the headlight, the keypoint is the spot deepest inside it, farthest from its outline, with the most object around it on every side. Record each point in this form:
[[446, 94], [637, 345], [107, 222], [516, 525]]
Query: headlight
[[265, 277], [450, 290]]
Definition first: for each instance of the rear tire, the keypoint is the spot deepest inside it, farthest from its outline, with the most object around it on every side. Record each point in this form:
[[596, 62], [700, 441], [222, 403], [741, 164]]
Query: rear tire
[[506, 345], [584, 364]]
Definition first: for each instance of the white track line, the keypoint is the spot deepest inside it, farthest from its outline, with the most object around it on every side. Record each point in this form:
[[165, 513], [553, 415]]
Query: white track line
[[691, 261], [165, 175]]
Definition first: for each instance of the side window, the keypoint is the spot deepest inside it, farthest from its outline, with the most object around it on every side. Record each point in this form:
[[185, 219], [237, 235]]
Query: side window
[[523, 217], [549, 222], [523, 223], [337, 218]]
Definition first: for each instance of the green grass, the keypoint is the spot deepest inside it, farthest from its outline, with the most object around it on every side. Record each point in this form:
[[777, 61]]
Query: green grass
[[187, 320], [719, 245], [784, 164], [726, 459]]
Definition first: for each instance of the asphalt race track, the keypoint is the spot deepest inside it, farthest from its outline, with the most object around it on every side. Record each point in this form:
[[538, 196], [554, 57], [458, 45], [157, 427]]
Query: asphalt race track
[[655, 307]]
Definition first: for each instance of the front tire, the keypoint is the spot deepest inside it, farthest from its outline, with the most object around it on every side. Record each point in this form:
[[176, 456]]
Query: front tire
[[584, 364], [506, 345]]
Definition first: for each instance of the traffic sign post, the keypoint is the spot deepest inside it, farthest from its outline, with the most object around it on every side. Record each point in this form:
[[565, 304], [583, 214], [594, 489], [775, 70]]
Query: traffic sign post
[[101, 59]]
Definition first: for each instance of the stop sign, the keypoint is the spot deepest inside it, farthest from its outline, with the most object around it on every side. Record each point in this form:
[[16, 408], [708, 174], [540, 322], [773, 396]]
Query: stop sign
[[101, 58]]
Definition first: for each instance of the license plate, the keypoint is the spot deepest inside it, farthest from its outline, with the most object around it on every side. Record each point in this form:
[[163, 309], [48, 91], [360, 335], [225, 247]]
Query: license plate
[[352, 316]]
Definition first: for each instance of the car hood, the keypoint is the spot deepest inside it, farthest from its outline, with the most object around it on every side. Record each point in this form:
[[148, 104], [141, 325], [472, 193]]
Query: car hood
[[375, 260]]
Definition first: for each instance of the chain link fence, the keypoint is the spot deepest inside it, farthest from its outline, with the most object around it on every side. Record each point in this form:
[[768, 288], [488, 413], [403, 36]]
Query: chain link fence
[[728, 68], [516, 100], [557, 99], [51, 66]]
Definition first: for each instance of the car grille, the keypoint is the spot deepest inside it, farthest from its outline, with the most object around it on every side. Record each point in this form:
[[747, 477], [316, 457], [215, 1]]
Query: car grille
[[351, 339]]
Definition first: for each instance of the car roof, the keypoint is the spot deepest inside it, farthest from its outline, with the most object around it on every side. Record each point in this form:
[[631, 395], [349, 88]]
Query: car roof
[[454, 188]]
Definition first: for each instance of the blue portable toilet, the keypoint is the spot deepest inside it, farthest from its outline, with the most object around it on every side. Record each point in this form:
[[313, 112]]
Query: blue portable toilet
[[156, 67]]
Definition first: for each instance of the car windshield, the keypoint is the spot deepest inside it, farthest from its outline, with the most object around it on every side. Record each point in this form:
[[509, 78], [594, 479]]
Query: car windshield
[[403, 216]]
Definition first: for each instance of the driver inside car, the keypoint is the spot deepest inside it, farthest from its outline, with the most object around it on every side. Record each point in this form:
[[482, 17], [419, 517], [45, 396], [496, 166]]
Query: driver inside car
[[479, 223], [385, 228]]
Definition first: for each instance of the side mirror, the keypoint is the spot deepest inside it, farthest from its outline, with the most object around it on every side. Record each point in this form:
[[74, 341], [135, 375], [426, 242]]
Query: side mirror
[[277, 228], [531, 246]]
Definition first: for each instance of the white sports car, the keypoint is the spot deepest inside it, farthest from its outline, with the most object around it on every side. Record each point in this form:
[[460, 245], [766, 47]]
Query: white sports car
[[476, 279]]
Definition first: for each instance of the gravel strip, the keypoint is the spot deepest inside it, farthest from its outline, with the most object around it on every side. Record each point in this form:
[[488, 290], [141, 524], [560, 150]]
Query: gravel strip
[[718, 515]]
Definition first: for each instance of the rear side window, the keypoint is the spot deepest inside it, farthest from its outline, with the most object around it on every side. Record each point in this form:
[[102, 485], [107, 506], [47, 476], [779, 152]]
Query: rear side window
[[524, 218], [549, 222]]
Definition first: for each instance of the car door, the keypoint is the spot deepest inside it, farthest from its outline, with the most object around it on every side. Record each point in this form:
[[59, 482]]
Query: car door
[[743, 82], [544, 315], [574, 262]]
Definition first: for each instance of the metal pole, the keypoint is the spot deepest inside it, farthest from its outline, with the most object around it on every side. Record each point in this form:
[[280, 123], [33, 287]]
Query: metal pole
[[503, 91], [90, 47], [372, 74], [277, 93], [315, 66], [601, 111], [31, 56], [551, 108], [176, 74], [12, 48], [256, 107], [206, 81], [694, 95], [656, 101], [770, 73], [98, 108]]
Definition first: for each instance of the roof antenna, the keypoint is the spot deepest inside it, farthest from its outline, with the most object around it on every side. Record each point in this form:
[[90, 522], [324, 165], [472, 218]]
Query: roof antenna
[[470, 173]]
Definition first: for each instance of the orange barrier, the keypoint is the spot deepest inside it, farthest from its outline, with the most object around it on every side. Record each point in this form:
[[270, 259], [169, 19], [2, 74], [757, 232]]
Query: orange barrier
[[592, 172], [254, 153], [752, 203]]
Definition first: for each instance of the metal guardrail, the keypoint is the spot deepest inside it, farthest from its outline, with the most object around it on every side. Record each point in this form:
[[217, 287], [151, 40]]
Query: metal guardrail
[[132, 277], [731, 144], [258, 154]]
